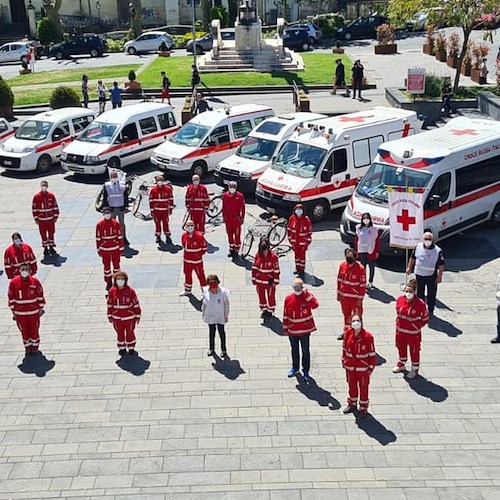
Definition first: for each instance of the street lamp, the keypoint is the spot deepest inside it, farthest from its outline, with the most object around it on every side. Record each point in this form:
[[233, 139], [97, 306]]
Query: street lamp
[[193, 20]]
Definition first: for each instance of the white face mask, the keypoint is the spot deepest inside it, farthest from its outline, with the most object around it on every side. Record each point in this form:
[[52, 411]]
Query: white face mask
[[120, 282], [299, 212], [25, 274], [356, 325], [427, 243], [107, 216], [17, 241], [159, 183], [45, 189], [366, 222], [114, 181], [196, 182], [190, 229], [409, 295], [232, 190]]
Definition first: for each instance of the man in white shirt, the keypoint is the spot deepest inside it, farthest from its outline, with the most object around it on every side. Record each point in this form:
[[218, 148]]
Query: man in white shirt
[[116, 199]]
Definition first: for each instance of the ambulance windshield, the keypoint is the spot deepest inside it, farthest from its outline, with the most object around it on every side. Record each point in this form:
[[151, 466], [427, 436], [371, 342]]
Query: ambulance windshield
[[374, 184], [33, 130], [256, 148], [299, 159], [190, 134], [101, 133]]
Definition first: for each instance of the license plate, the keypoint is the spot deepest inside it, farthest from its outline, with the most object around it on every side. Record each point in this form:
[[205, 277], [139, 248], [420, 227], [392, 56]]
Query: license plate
[[271, 210], [7, 162]]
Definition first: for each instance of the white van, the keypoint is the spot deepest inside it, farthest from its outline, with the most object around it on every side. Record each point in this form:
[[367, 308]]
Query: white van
[[457, 165], [208, 138], [256, 151], [6, 130], [320, 164], [39, 141], [120, 137]]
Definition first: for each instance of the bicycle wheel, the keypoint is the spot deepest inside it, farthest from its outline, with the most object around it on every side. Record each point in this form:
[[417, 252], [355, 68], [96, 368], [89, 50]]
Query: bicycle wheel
[[215, 207], [99, 201], [136, 204], [247, 244], [277, 234]]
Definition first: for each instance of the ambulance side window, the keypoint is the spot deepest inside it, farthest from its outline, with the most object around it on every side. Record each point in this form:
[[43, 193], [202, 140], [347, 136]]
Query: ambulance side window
[[61, 131], [166, 120], [364, 150], [339, 161], [220, 135], [241, 129], [440, 188]]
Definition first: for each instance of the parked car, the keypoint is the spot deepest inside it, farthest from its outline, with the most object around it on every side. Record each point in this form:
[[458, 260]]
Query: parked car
[[296, 39], [420, 20], [179, 29], [149, 42], [90, 44], [16, 51], [314, 32], [363, 27], [204, 44]]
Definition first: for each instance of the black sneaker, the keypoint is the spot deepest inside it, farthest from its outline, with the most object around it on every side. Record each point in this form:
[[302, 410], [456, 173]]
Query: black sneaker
[[495, 340], [230, 253], [53, 252], [158, 240], [122, 352], [46, 251], [132, 352], [340, 337], [168, 240]]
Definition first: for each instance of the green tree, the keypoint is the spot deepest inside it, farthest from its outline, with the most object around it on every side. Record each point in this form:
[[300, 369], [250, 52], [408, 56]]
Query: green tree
[[206, 13], [464, 13], [64, 97], [135, 11], [52, 8]]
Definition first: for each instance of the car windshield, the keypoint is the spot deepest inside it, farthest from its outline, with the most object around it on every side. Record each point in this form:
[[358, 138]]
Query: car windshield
[[190, 134], [375, 182], [34, 130], [255, 148], [100, 133], [299, 159]]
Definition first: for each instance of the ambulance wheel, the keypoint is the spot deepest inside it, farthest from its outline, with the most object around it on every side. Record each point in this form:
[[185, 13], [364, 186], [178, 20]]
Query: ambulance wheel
[[199, 168], [44, 163], [319, 211], [495, 216], [114, 162]]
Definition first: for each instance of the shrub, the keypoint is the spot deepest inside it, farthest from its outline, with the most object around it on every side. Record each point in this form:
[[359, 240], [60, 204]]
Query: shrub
[[47, 32], [220, 12], [329, 23], [440, 42], [132, 76], [64, 97], [479, 52], [115, 45], [433, 85], [453, 44], [6, 95], [386, 34], [430, 32]]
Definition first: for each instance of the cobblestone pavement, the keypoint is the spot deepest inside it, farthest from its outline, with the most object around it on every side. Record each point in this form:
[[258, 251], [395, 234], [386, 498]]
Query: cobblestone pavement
[[176, 424]]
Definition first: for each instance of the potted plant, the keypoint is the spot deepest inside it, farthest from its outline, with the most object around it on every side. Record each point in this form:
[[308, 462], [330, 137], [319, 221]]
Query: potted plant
[[338, 49], [132, 84], [440, 47], [479, 72], [163, 52], [453, 46], [428, 47], [466, 68], [386, 35], [25, 70]]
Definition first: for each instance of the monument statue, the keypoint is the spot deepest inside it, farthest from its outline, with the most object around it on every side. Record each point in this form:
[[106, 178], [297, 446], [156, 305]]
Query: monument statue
[[247, 12]]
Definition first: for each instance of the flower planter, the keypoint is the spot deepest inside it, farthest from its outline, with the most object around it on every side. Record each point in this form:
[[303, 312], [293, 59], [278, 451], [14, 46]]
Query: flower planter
[[452, 61], [476, 76], [388, 48], [428, 49], [466, 69], [338, 50], [133, 86], [165, 53], [440, 55]]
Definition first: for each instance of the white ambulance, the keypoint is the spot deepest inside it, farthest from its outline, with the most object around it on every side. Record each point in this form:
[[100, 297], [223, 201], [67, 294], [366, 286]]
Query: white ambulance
[[120, 137], [255, 153], [457, 165], [320, 164], [39, 141], [208, 138]]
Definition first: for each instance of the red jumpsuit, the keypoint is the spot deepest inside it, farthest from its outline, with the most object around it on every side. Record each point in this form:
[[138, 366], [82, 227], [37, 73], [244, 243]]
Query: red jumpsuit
[[161, 202], [297, 314], [109, 242], [27, 302], [195, 246], [359, 360], [233, 213], [46, 212], [197, 202], [125, 312], [299, 236], [15, 255], [411, 317], [351, 289], [266, 277]]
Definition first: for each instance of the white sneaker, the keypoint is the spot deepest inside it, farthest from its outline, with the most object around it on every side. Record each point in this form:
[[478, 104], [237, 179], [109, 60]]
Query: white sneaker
[[185, 293], [399, 369], [369, 286], [412, 374]]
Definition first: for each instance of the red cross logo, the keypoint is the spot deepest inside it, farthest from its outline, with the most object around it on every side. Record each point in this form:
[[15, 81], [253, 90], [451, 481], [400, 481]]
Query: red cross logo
[[280, 178], [406, 220], [357, 119], [465, 131]]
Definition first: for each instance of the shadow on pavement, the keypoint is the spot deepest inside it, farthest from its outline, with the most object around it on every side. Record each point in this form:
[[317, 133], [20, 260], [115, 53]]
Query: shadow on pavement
[[212, 248], [428, 389], [133, 364], [310, 279], [380, 360], [195, 302], [274, 324], [228, 367], [377, 294], [243, 262], [33, 174], [444, 326], [314, 392], [374, 429], [54, 260], [130, 252], [173, 249], [38, 365]]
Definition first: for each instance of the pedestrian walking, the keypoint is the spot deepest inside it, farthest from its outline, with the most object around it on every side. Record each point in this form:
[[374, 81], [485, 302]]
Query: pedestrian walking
[[299, 232], [116, 198], [195, 247], [427, 262], [161, 203], [266, 277], [32, 61], [298, 324], [197, 202], [446, 94], [358, 360], [101, 94], [195, 77], [233, 213], [339, 80], [124, 312], [85, 91], [411, 317], [165, 87], [116, 96], [16, 255], [26, 302], [109, 243], [367, 245], [496, 340], [357, 78], [200, 105], [351, 287], [215, 313], [46, 212]]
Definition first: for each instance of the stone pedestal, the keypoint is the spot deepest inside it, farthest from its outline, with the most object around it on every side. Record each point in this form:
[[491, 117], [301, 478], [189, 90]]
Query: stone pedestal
[[248, 37], [31, 19]]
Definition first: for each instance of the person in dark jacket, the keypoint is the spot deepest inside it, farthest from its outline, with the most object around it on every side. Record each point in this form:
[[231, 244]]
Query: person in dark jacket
[[339, 77], [357, 78], [200, 105], [195, 77]]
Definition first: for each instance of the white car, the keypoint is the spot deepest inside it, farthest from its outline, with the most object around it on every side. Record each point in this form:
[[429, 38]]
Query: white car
[[149, 42], [14, 51], [6, 130]]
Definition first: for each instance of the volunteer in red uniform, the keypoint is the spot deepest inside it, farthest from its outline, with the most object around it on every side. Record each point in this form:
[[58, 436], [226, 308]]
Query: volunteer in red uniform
[[46, 212], [17, 254], [109, 242], [195, 247], [299, 236], [351, 287], [298, 324], [161, 202], [124, 312], [266, 277], [412, 316], [26, 302], [197, 202], [233, 213], [358, 359]]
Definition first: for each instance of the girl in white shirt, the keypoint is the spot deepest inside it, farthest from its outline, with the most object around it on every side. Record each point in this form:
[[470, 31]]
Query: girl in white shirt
[[215, 312], [367, 245]]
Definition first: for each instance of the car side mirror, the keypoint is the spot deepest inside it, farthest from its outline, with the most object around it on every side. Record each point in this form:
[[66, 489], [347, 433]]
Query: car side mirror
[[211, 143], [435, 202], [326, 176]]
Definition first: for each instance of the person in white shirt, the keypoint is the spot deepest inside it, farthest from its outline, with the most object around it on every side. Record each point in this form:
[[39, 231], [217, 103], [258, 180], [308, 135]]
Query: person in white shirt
[[116, 198], [496, 340], [367, 245], [215, 312]]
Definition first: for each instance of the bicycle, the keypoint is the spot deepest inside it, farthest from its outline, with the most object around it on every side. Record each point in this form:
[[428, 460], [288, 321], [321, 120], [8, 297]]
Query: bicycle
[[213, 211], [274, 229]]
